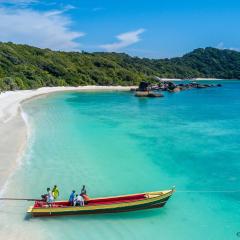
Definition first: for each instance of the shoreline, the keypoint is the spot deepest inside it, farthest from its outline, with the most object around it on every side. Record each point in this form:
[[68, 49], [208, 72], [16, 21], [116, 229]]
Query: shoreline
[[14, 129], [196, 79], [212, 79]]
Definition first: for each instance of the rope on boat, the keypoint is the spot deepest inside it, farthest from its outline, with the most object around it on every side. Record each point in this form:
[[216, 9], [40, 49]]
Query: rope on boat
[[19, 199], [207, 191]]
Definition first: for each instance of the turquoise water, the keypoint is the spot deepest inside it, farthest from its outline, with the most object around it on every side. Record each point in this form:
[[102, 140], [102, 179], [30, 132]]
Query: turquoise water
[[118, 144]]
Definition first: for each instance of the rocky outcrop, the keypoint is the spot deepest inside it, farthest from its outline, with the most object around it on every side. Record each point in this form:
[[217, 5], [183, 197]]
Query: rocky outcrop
[[145, 89]]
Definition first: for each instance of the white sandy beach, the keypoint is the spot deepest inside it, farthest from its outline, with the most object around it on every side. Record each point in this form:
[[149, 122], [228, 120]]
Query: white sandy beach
[[13, 129], [207, 79]]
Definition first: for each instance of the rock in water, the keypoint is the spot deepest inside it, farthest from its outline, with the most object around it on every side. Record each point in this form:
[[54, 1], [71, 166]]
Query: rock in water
[[152, 94], [141, 94], [147, 94], [176, 89]]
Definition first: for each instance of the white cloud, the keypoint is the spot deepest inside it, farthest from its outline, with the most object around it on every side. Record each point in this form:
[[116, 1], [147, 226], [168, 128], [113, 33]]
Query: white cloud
[[124, 40], [97, 9], [42, 29], [234, 49], [220, 45], [59, 12], [18, 1]]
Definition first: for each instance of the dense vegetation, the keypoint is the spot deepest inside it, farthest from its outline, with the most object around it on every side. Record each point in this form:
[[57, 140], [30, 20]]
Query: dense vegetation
[[25, 67]]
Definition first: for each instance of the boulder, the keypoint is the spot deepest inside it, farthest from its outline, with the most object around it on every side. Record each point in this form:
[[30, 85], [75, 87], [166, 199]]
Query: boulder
[[153, 94], [141, 93], [176, 89], [147, 94]]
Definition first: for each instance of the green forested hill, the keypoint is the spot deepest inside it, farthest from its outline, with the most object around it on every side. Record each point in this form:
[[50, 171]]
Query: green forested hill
[[25, 67]]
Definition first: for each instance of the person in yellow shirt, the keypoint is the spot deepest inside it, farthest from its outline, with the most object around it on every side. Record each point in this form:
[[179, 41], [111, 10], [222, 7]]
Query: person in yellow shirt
[[55, 192]]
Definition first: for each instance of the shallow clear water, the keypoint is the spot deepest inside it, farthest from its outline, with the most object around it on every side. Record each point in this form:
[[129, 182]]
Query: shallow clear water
[[118, 144]]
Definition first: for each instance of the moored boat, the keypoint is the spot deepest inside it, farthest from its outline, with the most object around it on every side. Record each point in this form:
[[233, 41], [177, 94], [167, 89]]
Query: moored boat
[[115, 204]]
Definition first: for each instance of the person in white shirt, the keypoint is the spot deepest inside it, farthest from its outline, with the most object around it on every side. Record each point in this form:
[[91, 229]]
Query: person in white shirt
[[79, 201], [50, 198]]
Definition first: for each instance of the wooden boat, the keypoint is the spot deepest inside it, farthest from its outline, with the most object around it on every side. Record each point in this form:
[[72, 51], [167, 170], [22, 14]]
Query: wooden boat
[[115, 204]]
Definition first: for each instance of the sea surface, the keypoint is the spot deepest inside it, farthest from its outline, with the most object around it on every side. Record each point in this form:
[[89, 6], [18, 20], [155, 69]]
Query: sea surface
[[115, 143]]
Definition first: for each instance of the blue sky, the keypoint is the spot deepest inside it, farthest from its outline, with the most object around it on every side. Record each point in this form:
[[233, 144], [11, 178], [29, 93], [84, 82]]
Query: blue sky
[[145, 28]]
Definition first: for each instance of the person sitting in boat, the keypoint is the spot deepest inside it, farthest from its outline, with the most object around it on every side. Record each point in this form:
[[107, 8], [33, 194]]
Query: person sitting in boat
[[55, 192], [50, 198], [79, 201], [45, 196], [83, 190], [71, 198], [84, 194]]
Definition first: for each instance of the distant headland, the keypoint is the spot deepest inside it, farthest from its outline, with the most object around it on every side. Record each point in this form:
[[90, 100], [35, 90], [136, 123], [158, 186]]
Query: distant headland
[[26, 67]]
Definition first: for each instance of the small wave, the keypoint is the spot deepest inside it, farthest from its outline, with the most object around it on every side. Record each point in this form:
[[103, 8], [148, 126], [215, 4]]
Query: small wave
[[3, 189], [26, 120], [27, 151]]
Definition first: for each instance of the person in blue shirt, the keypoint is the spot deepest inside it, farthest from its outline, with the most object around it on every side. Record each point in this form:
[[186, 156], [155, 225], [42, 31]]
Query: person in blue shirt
[[71, 198]]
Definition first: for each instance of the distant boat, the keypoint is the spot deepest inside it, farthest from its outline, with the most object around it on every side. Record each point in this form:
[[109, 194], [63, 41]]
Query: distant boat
[[115, 204]]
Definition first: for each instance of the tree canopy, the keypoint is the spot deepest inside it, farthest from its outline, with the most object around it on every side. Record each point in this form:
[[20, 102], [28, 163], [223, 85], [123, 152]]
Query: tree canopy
[[27, 67]]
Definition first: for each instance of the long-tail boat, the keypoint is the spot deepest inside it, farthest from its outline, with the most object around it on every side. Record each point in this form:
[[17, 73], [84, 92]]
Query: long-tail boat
[[115, 204]]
